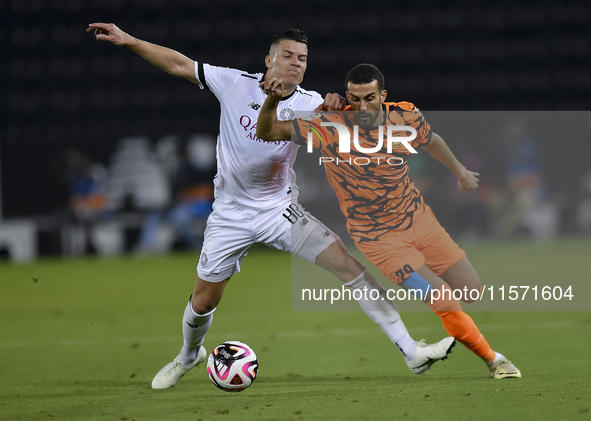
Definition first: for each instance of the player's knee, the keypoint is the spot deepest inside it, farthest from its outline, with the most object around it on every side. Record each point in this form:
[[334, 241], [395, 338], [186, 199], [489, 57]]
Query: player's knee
[[352, 264], [472, 293], [202, 304], [347, 266], [337, 260]]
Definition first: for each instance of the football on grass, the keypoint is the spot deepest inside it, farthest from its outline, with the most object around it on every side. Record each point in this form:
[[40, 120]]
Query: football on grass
[[232, 366]]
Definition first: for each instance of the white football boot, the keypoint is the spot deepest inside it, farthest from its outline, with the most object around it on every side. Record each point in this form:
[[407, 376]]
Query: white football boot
[[429, 354], [504, 369], [172, 372]]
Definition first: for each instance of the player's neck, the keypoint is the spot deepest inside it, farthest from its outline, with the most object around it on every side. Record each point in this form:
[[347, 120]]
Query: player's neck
[[380, 120], [290, 91]]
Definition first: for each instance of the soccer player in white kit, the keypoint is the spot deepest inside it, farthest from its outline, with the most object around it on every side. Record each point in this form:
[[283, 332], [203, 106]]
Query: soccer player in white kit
[[256, 198]]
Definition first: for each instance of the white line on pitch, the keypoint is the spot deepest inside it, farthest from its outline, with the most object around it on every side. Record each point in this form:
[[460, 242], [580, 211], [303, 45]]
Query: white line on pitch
[[290, 334]]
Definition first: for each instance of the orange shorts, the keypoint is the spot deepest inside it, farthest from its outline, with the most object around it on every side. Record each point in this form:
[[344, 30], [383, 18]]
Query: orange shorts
[[399, 253]]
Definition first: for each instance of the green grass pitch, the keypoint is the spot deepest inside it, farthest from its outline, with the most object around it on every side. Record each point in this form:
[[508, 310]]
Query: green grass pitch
[[85, 339]]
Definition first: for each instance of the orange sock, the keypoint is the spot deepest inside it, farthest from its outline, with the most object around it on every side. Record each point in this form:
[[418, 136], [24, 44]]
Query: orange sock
[[461, 326]]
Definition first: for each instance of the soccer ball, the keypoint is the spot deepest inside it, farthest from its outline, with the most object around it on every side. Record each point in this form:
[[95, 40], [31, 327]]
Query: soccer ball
[[232, 366]]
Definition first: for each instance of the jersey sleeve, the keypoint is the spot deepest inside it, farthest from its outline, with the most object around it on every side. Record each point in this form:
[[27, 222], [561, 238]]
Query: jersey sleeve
[[316, 100], [413, 117], [218, 80], [309, 101], [424, 131]]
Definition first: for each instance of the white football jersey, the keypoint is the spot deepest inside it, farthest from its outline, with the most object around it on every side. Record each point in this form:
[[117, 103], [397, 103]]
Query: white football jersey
[[250, 171]]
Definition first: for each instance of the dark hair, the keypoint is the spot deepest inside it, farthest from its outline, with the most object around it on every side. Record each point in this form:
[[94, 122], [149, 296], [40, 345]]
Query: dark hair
[[291, 34], [365, 73]]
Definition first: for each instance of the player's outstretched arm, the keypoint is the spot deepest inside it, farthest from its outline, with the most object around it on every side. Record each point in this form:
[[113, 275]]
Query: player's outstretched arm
[[268, 127], [172, 62], [332, 102], [438, 149]]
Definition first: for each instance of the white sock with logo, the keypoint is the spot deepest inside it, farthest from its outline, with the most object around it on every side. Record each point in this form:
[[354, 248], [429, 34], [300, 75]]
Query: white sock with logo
[[383, 312], [195, 326]]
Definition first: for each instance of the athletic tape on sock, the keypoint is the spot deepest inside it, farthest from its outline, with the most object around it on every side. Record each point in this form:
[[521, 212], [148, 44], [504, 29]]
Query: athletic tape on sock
[[415, 283]]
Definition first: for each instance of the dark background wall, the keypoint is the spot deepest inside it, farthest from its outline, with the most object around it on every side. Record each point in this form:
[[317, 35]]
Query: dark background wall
[[62, 88]]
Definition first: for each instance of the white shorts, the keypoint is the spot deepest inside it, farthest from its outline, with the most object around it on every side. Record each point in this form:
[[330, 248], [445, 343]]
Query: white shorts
[[232, 229]]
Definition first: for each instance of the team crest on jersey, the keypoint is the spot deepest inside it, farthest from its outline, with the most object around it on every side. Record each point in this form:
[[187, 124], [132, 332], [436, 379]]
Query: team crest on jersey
[[286, 114], [254, 105], [396, 144], [204, 259]]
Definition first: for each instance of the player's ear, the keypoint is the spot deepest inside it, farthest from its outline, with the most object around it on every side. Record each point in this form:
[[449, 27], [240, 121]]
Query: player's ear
[[268, 61], [383, 96]]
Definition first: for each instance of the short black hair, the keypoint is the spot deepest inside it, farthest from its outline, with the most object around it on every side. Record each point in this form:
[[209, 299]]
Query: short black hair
[[365, 73], [291, 34]]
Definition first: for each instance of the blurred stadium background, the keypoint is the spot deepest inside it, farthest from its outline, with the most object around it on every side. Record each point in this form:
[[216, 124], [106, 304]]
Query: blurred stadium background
[[98, 150], [506, 84]]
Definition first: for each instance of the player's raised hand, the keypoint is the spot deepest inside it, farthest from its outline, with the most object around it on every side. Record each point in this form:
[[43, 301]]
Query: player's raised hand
[[109, 32], [274, 87], [332, 102], [468, 180]]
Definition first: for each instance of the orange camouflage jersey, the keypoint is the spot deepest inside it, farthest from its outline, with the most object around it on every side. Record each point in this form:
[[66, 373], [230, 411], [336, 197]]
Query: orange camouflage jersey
[[375, 193]]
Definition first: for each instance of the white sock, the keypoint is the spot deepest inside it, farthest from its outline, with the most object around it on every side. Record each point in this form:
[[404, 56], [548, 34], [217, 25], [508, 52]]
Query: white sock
[[407, 346], [498, 356], [384, 313], [195, 327]]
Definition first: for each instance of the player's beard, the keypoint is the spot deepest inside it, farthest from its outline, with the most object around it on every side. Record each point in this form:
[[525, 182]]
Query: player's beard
[[367, 123]]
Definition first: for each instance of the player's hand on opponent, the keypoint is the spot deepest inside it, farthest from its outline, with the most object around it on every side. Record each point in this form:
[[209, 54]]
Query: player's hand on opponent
[[109, 32], [332, 102], [273, 87], [468, 180]]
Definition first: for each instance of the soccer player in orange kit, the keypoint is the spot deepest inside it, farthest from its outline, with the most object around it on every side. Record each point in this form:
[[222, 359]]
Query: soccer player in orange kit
[[386, 215]]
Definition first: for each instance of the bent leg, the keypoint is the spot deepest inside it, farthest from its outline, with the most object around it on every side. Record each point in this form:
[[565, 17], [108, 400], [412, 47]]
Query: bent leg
[[444, 257], [455, 321], [196, 322], [461, 276], [198, 316], [207, 295], [337, 260]]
